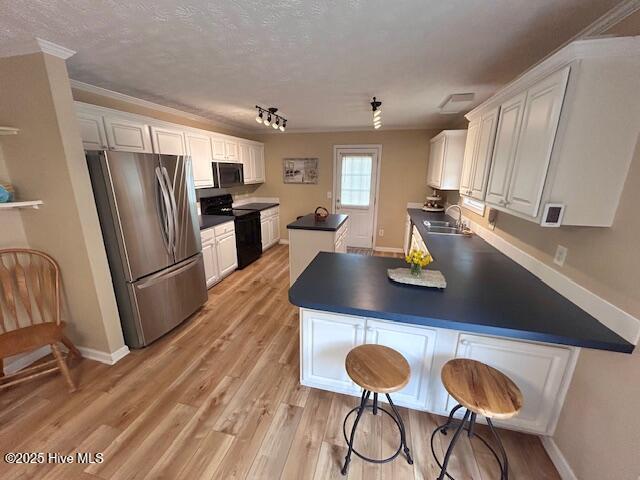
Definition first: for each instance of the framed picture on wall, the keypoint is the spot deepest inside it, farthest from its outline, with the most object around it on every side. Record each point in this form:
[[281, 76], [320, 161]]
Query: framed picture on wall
[[300, 170]]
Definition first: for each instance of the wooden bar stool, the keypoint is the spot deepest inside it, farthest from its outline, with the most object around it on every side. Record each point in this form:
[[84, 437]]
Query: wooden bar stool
[[482, 390], [376, 369]]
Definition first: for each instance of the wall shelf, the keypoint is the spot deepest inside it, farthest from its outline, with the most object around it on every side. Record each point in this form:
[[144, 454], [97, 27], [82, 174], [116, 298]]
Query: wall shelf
[[9, 131], [30, 204]]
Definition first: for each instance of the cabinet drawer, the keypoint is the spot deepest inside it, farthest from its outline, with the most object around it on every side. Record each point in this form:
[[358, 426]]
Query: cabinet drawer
[[207, 235], [270, 212], [224, 228], [342, 230]]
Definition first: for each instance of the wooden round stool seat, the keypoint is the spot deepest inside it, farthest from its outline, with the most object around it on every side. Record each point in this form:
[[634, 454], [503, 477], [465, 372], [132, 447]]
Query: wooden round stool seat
[[378, 368], [481, 388]]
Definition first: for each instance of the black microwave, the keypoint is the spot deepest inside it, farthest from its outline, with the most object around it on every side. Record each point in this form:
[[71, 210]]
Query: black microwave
[[226, 174]]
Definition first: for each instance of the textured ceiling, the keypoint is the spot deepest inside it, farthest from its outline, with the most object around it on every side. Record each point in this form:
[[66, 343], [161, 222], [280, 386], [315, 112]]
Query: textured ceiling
[[319, 61]]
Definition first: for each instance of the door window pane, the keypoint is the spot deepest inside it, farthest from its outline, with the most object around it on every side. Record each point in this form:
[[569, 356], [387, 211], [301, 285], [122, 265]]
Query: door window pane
[[356, 180]]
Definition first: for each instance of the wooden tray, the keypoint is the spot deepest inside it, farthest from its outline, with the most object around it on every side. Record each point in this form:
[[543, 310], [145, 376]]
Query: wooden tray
[[428, 278]]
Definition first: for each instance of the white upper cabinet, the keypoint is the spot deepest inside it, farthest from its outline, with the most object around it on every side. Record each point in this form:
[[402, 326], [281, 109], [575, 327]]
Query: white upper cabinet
[[168, 141], [469, 158], [127, 135], [504, 150], [257, 161], [244, 155], [445, 159], [537, 134], [566, 135], [231, 150], [92, 131], [482, 155], [199, 147], [217, 149]]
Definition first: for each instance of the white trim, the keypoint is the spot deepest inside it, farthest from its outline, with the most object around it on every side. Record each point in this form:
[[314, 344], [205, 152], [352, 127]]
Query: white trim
[[24, 360], [378, 148], [283, 241], [104, 357], [609, 19], [35, 45], [559, 461], [85, 87], [613, 317], [388, 249]]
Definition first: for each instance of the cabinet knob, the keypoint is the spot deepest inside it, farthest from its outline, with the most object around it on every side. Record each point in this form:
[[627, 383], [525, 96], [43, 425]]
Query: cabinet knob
[[464, 342]]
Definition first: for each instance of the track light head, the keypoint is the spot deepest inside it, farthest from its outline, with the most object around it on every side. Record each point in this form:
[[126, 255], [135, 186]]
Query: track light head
[[276, 124], [375, 105], [259, 116], [267, 122]]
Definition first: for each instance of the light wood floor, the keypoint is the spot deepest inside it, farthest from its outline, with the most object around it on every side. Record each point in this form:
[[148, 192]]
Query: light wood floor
[[219, 398]]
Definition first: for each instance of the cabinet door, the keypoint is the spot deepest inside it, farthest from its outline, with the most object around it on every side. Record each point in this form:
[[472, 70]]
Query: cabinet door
[[210, 262], [417, 346], [482, 160], [257, 155], [127, 135], [326, 341], [537, 369], [407, 235], [265, 232], [504, 150], [539, 126], [217, 149], [469, 158], [92, 131], [275, 228], [436, 161], [244, 151], [227, 254], [231, 150], [168, 141], [199, 147]]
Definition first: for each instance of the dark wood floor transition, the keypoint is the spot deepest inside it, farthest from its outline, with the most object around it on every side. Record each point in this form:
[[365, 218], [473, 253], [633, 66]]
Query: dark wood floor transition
[[219, 398]]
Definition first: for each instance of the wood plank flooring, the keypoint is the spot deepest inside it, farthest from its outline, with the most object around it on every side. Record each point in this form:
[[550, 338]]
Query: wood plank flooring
[[219, 398]]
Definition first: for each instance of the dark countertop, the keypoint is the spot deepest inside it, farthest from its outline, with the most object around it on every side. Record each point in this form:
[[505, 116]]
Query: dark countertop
[[487, 293], [256, 206], [208, 221], [308, 222]]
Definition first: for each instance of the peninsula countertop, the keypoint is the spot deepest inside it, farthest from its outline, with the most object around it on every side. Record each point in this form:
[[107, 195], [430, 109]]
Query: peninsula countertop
[[486, 292], [308, 222]]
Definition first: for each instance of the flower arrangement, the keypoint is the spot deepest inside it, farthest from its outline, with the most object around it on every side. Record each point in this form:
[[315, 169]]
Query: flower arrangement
[[418, 260]]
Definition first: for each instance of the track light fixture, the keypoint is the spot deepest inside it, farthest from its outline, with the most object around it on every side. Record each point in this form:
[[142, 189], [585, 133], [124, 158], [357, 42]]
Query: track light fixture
[[376, 108], [273, 119]]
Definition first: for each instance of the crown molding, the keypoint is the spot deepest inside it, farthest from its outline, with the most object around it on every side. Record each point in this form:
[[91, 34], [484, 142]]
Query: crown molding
[[35, 45], [104, 92], [609, 19]]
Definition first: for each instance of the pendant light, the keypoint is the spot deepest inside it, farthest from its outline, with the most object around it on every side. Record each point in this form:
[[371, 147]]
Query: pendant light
[[376, 109]]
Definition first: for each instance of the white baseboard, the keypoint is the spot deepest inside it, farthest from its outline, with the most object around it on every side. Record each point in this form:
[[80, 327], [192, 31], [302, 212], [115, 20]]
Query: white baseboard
[[18, 362], [104, 357], [556, 456], [283, 241], [388, 249], [621, 322]]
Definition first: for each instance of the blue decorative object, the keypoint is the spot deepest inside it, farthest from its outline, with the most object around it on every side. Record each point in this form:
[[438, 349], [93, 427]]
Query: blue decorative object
[[5, 195]]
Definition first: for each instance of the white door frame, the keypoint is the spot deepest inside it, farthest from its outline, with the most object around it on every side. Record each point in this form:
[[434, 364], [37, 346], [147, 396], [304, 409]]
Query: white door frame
[[378, 148]]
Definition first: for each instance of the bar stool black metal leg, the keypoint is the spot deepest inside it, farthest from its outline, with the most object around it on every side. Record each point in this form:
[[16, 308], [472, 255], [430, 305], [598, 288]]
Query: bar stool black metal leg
[[375, 403], [449, 420], [504, 468], [363, 403], [443, 471], [472, 423], [403, 433]]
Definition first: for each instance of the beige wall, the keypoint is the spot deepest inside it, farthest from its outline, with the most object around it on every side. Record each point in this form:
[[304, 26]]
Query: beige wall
[[11, 228], [46, 161], [402, 174], [599, 431], [124, 106]]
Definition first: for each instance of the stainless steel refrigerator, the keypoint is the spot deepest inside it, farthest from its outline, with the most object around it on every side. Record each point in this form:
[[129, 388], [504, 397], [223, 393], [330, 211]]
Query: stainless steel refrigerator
[[146, 205]]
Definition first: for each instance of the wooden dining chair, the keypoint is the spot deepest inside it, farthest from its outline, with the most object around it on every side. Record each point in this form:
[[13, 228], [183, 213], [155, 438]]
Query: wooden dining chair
[[30, 314]]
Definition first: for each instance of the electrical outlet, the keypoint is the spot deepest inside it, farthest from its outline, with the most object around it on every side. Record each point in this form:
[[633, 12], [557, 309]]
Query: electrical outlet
[[329, 195], [381, 232], [561, 255]]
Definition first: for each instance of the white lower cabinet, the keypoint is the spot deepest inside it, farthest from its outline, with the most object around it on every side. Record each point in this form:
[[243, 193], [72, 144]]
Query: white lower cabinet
[[541, 371], [270, 227], [417, 346], [219, 252], [326, 341]]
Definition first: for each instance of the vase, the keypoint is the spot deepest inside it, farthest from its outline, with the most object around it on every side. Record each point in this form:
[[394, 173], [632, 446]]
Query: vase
[[416, 269]]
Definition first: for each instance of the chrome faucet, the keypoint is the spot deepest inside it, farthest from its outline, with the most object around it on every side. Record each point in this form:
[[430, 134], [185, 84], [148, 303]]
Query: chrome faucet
[[459, 224]]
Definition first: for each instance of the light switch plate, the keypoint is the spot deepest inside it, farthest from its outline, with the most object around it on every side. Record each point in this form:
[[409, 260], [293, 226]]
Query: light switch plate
[[329, 195], [381, 232], [561, 255]]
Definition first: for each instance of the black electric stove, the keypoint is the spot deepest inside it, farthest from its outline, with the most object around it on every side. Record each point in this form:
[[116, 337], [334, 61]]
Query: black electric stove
[[247, 223]]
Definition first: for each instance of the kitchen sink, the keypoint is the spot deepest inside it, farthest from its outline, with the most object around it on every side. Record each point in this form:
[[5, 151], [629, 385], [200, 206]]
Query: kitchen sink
[[436, 223], [441, 229]]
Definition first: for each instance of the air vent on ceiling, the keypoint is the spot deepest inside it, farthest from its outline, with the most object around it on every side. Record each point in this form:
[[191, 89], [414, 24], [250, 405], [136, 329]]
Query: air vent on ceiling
[[456, 103]]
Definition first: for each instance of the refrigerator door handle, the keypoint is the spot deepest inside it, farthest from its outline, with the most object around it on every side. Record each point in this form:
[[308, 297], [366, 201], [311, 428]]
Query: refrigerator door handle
[[174, 208], [167, 217], [159, 277]]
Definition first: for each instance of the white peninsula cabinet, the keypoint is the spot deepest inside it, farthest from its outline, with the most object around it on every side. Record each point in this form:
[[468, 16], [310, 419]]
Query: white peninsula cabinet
[[219, 252], [542, 371], [555, 145]]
